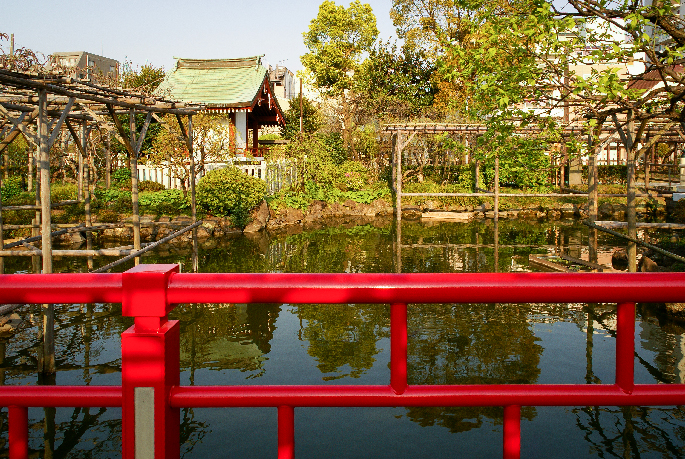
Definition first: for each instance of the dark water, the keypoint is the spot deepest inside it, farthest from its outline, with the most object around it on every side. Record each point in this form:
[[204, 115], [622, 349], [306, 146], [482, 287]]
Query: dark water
[[345, 344]]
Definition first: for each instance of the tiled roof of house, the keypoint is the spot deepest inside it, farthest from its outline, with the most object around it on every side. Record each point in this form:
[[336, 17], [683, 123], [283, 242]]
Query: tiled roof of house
[[651, 79], [215, 83]]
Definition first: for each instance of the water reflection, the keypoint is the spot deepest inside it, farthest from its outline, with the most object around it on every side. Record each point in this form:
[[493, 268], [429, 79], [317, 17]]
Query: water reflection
[[343, 339], [470, 344], [313, 344]]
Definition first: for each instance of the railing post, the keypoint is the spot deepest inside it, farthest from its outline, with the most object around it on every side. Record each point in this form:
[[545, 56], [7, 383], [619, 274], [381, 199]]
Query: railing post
[[19, 432], [398, 347], [286, 432], [149, 366], [512, 432], [625, 346]]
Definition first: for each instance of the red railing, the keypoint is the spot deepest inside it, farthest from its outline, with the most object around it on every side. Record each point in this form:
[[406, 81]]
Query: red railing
[[151, 396]]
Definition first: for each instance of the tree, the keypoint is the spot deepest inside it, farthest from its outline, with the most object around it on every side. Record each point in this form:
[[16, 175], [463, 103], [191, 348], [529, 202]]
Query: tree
[[532, 54], [395, 82], [144, 79], [337, 40], [210, 142], [311, 120]]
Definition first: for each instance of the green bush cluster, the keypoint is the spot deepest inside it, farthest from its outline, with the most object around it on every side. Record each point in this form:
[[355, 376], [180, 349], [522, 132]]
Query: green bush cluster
[[229, 192], [63, 191], [121, 178], [312, 192], [115, 199], [348, 176], [614, 174], [429, 186], [149, 185], [166, 202], [11, 187], [678, 211]]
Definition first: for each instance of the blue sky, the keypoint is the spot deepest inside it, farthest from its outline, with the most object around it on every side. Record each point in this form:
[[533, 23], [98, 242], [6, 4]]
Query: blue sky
[[156, 31]]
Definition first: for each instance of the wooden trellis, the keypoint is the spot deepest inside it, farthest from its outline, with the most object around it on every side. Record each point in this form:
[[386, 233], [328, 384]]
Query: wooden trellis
[[39, 107]]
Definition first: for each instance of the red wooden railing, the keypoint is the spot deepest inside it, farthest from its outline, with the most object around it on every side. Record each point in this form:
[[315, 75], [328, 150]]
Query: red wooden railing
[[151, 397]]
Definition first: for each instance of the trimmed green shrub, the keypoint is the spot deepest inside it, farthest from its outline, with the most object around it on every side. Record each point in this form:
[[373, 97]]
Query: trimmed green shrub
[[107, 216], [614, 174], [229, 192], [166, 202], [354, 176], [116, 199], [11, 187], [63, 192], [149, 185]]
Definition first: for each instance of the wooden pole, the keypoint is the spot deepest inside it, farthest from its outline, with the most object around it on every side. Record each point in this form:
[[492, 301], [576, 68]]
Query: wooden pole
[[134, 184], [191, 152], [631, 214], [86, 191], [300, 105], [29, 185], [48, 361], [35, 230], [2, 237], [593, 185], [108, 161], [398, 181], [567, 117], [193, 176], [496, 187], [79, 195], [44, 182]]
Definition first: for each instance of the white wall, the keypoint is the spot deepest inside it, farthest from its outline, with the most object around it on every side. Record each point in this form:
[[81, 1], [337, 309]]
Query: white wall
[[240, 129]]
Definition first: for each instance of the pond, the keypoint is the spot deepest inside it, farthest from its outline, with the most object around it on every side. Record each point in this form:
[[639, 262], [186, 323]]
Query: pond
[[349, 344]]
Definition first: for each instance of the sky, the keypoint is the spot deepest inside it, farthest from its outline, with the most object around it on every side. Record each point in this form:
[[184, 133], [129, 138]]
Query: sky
[[156, 31]]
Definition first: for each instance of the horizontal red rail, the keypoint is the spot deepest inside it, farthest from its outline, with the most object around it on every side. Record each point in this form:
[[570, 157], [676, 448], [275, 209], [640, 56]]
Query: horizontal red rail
[[150, 395], [61, 396], [466, 395], [358, 288]]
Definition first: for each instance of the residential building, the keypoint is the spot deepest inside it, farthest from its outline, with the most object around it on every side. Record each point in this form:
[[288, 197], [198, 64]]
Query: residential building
[[85, 64]]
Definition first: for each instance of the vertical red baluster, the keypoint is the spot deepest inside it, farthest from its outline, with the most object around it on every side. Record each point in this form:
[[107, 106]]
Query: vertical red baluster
[[286, 432], [512, 432], [625, 346], [398, 347], [19, 432], [149, 366]]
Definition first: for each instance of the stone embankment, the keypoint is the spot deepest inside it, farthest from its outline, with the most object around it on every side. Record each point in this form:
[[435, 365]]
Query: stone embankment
[[320, 214], [606, 211]]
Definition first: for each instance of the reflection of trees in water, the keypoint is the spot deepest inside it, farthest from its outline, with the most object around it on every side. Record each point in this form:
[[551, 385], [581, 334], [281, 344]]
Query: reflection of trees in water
[[192, 432], [226, 336], [343, 336], [87, 433], [632, 431], [470, 344], [84, 339], [363, 248]]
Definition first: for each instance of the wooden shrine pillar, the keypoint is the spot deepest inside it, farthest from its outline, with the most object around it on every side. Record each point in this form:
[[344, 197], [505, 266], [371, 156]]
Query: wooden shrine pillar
[[255, 139]]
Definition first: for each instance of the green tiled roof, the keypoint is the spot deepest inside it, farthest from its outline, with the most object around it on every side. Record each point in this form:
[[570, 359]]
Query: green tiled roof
[[215, 82]]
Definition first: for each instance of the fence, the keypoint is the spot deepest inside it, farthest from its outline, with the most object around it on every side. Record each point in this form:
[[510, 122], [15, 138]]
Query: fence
[[277, 174], [151, 396]]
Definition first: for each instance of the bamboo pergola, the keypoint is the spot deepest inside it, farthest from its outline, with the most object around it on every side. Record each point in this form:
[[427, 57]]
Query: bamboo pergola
[[39, 106], [402, 134], [657, 130]]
